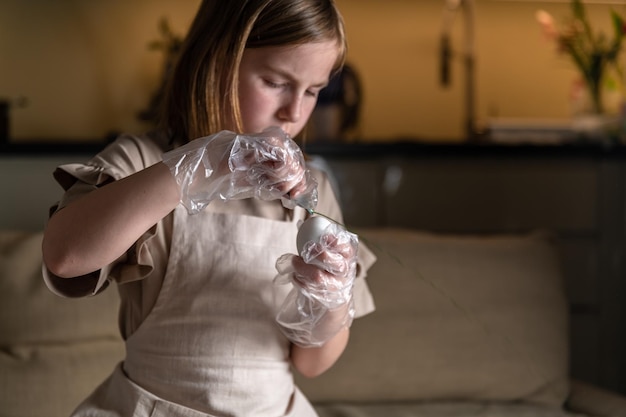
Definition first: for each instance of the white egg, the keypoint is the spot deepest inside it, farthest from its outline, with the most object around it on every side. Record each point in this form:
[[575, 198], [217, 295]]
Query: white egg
[[312, 229]]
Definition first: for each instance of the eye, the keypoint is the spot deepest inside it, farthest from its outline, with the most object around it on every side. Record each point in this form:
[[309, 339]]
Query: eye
[[312, 93], [272, 84]]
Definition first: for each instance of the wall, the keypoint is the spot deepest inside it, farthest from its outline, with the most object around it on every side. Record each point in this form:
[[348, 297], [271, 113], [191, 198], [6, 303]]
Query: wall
[[83, 66], [85, 69]]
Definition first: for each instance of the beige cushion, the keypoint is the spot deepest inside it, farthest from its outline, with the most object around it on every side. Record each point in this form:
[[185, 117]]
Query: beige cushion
[[444, 409], [51, 380], [54, 351], [478, 318], [30, 313]]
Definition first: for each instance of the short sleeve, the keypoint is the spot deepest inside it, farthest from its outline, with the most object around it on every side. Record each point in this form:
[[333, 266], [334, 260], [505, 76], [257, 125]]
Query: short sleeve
[[363, 299], [125, 156]]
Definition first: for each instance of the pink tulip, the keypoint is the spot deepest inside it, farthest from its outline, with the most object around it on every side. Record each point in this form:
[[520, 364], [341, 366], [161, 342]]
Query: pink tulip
[[548, 27]]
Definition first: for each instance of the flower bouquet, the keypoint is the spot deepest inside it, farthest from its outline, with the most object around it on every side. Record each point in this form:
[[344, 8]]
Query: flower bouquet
[[593, 53]]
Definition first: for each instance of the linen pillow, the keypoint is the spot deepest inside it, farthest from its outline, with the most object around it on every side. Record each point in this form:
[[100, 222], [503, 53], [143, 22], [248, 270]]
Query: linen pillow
[[52, 380], [53, 351], [30, 313], [457, 317]]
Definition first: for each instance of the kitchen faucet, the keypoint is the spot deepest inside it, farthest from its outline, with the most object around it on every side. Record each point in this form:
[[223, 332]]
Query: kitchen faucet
[[469, 56]]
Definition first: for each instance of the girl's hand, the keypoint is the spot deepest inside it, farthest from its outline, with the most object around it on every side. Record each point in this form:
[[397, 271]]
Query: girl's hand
[[227, 166], [273, 164], [326, 267], [320, 304]]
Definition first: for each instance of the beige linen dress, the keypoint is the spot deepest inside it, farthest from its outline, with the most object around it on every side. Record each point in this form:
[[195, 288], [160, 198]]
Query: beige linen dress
[[198, 302]]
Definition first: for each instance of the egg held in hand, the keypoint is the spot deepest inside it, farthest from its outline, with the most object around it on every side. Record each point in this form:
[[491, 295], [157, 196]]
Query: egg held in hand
[[311, 230]]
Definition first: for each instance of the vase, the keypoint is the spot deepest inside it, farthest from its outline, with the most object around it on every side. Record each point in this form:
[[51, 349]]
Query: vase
[[596, 127], [596, 110]]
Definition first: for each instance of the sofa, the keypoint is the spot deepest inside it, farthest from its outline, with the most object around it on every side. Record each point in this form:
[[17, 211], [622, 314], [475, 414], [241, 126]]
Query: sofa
[[464, 326]]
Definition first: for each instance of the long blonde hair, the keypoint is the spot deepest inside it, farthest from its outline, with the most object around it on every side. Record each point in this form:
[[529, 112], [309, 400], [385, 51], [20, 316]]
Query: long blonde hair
[[202, 95]]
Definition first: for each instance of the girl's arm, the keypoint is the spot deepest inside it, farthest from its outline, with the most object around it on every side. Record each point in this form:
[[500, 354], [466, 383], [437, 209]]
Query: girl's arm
[[314, 361], [99, 227]]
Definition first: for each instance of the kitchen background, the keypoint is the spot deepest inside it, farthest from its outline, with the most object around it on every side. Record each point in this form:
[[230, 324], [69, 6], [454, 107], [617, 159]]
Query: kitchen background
[[77, 70]]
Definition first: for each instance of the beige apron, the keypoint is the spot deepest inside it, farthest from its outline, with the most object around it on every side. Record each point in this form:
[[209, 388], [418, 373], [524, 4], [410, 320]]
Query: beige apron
[[211, 342]]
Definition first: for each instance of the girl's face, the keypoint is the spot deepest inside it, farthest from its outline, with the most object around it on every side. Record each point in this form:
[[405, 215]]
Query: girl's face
[[278, 86]]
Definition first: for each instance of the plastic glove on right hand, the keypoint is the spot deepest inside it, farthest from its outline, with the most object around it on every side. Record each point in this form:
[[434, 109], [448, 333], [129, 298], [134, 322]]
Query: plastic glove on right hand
[[227, 166]]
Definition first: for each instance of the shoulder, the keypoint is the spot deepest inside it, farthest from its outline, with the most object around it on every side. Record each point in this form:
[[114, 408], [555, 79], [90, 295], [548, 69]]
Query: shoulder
[[131, 153], [124, 156], [324, 186]]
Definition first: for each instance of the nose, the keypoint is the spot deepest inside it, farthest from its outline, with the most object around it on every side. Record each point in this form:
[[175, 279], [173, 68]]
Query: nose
[[291, 110]]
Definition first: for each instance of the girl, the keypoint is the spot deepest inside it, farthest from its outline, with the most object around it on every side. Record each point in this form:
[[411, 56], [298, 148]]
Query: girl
[[190, 224]]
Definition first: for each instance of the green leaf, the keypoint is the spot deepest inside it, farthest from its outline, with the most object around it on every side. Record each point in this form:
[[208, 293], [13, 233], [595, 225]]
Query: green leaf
[[618, 25], [578, 9]]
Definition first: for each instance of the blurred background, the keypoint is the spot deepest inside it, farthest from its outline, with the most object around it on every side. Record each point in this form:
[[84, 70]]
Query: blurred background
[[81, 70]]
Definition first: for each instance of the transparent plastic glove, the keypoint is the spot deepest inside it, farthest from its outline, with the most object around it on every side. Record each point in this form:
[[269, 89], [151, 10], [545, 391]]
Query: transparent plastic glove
[[320, 303], [227, 166]]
